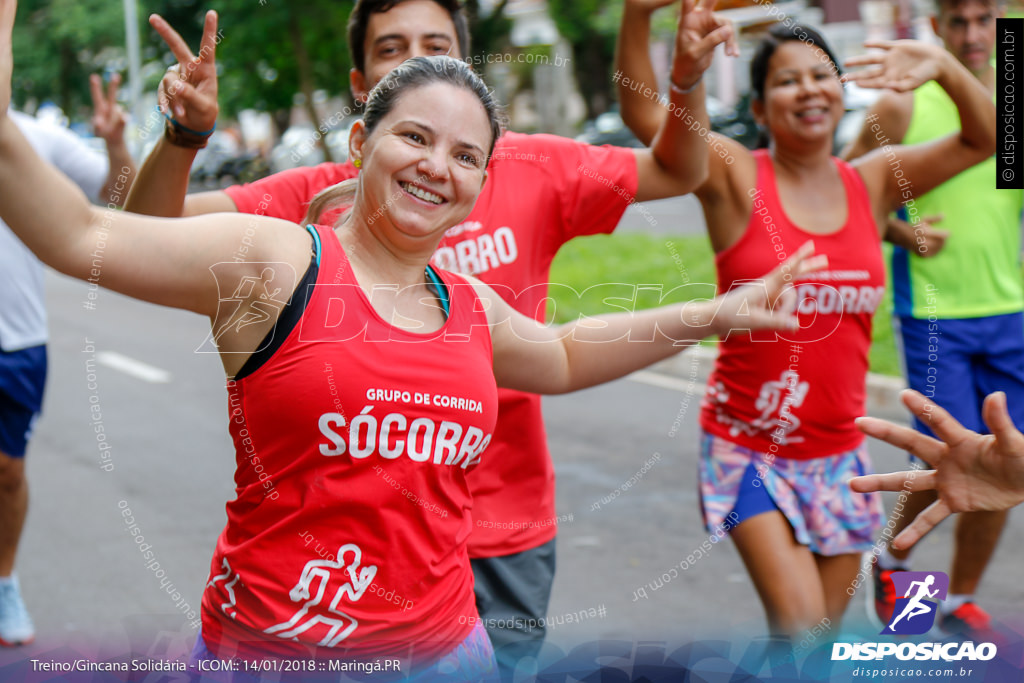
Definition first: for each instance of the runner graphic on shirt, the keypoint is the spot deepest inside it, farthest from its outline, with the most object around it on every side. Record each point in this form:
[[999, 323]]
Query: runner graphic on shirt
[[779, 398], [229, 607], [776, 401], [340, 625]]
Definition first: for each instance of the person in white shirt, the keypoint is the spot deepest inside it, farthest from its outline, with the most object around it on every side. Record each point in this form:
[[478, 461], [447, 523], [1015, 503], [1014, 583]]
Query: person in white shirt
[[23, 330]]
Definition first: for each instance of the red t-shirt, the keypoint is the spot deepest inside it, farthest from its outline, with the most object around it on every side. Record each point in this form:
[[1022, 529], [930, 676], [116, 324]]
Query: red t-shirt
[[352, 512], [287, 194], [796, 394], [541, 191]]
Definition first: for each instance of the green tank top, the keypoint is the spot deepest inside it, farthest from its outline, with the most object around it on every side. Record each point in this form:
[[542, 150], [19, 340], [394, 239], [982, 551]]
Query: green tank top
[[978, 272]]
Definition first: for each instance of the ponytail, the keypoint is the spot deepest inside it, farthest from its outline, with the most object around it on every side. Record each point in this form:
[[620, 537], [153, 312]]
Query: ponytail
[[342, 194]]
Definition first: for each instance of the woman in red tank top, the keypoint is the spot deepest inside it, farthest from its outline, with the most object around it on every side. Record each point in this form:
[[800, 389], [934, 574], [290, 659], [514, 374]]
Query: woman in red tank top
[[362, 392], [778, 417]]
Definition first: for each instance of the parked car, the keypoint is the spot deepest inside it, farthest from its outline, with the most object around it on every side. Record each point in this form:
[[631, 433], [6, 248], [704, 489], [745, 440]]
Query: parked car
[[608, 129], [734, 122], [224, 162]]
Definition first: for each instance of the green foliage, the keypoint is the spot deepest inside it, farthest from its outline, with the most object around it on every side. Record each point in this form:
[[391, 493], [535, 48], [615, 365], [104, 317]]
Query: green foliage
[[883, 358], [269, 51], [58, 43], [591, 27], [662, 270], [488, 35]]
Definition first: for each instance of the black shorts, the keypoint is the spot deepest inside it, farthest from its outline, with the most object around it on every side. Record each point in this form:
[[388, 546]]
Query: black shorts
[[512, 595]]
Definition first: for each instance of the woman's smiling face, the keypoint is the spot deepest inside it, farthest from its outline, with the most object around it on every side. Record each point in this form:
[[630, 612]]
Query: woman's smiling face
[[803, 96], [425, 162]]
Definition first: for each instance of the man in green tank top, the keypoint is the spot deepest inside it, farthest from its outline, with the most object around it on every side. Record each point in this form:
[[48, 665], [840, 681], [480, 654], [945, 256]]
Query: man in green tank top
[[958, 306]]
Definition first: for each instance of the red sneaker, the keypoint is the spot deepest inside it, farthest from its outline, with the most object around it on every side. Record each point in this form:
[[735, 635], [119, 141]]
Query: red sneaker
[[885, 592], [967, 618]]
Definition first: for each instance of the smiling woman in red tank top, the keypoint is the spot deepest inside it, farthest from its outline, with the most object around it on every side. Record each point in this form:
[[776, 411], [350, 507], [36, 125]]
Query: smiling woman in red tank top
[[779, 437], [361, 381]]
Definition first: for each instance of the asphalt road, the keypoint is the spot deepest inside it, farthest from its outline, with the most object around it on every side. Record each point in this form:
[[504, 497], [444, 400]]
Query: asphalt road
[[169, 461], [672, 216]]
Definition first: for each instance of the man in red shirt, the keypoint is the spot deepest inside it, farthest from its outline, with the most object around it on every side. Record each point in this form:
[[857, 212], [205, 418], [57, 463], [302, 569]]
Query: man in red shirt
[[542, 191]]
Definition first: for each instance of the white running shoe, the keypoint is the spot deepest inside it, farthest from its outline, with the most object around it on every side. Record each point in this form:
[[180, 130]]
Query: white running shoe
[[16, 626]]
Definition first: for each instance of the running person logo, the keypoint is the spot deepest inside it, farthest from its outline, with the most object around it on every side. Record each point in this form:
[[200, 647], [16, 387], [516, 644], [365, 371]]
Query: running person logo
[[347, 578], [915, 611]]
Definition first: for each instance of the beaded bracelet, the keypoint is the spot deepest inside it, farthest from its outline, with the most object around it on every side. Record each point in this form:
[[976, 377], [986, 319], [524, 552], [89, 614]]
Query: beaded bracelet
[[684, 91], [183, 136]]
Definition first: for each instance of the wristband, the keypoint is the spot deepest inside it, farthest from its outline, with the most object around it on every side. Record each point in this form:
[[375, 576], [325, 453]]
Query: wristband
[[684, 91], [183, 136]]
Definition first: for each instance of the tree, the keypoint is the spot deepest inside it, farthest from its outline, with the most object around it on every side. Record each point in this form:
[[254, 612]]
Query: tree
[[274, 49], [591, 27], [58, 43], [489, 33], [269, 49]]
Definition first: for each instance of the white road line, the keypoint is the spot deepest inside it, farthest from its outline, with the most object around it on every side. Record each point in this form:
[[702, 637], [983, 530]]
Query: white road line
[[135, 368], [656, 379]]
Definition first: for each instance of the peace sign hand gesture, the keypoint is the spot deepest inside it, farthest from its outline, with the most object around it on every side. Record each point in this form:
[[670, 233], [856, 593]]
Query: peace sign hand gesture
[[188, 91], [700, 31], [108, 119]]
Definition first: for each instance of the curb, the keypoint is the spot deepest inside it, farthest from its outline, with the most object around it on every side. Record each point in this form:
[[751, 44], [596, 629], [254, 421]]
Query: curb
[[695, 364]]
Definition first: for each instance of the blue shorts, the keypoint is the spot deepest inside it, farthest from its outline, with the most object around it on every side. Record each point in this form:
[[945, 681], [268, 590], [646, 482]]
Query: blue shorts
[[956, 362], [22, 378], [752, 498], [737, 483]]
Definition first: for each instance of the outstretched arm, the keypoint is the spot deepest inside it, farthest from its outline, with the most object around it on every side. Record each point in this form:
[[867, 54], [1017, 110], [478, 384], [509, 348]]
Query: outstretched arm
[[677, 160], [972, 471], [188, 93], [551, 360]]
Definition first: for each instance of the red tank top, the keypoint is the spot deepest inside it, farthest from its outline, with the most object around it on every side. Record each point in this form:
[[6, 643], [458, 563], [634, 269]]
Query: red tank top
[[352, 446], [797, 394]]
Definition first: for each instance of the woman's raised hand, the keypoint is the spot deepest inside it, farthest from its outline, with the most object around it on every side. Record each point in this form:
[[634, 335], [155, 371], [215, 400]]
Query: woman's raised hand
[[899, 65], [188, 91]]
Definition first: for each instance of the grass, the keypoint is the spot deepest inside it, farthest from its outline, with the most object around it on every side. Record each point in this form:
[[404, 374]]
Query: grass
[[659, 270]]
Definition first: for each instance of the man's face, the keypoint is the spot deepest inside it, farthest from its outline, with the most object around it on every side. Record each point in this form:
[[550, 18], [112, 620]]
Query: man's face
[[415, 28], [969, 31]]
